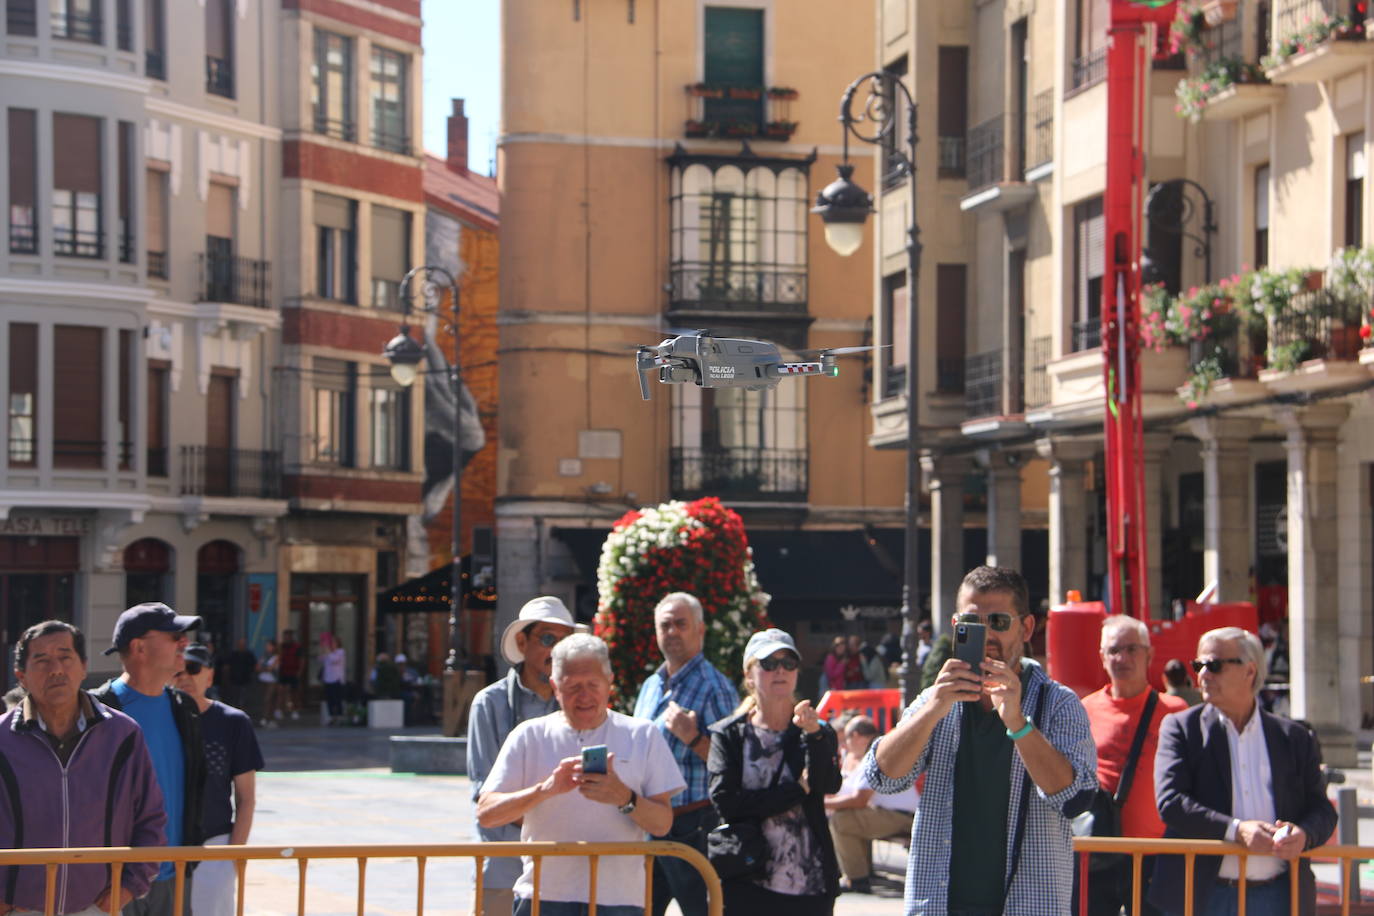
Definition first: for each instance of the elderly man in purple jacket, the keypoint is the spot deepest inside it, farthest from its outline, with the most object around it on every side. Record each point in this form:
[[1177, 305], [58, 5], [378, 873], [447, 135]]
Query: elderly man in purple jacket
[[73, 772]]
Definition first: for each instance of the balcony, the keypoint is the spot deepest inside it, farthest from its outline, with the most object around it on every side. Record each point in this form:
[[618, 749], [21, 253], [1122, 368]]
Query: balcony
[[230, 472], [1226, 82], [154, 64], [157, 265], [739, 112], [235, 280], [1314, 344], [1040, 142], [983, 385], [219, 76], [78, 243], [773, 288], [1089, 70], [390, 140], [339, 130], [991, 186], [1087, 335], [77, 26], [1318, 40], [741, 474], [1037, 374]]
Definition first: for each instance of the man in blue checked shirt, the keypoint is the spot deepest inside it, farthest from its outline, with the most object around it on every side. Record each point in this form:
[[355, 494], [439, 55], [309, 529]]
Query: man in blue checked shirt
[[978, 739], [685, 697]]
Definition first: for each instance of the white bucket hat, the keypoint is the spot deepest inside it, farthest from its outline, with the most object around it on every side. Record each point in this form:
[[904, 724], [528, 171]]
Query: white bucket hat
[[544, 609]]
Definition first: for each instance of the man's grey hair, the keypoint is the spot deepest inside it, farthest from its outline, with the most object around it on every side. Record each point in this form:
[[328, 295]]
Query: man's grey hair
[[579, 646], [686, 598], [1126, 622], [1248, 646]]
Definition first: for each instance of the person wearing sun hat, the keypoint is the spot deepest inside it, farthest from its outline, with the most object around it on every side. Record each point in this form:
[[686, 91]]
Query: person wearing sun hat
[[524, 693]]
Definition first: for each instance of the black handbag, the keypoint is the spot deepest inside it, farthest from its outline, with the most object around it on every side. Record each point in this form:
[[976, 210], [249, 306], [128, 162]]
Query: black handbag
[[1103, 817], [739, 850]]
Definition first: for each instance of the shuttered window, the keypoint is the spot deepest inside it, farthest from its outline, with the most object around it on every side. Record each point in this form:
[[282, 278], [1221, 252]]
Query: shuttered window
[[23, 406], [335, 246], [219, 211], [734, 58], [78, 417], [1089, 245], [158, 393], [23, 181], [951, 285], [335, 389], [1261, 240], [155, 213], [390, 255], [76, 202], [127, 159]]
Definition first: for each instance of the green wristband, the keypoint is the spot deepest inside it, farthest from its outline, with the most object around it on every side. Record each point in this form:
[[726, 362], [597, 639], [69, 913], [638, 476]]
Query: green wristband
[[1023, 731]]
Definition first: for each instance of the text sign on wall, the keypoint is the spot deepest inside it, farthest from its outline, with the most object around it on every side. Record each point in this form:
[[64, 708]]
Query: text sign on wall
[[45, 526]]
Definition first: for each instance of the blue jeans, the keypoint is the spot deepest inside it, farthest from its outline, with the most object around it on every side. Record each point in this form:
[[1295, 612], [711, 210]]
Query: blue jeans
[[1265, 900], [524, 907], [676, 879]]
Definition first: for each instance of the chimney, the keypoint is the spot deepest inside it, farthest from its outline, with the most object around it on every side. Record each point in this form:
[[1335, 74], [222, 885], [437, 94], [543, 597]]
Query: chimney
[[457, 138]]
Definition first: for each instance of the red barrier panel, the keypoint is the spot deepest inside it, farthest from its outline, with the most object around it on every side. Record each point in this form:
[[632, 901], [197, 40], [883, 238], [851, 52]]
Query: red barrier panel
[[884, 707]]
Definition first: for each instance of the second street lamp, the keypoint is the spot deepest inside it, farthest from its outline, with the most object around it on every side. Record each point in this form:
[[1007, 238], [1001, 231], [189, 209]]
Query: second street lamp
[[844, 207]]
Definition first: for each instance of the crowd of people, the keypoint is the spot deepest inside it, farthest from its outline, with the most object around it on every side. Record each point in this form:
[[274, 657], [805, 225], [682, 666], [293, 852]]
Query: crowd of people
[[990, 771]]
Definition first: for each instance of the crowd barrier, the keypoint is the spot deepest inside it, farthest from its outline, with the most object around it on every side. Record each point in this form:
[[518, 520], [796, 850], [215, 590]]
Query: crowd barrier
[[52, 859], [883, 706]]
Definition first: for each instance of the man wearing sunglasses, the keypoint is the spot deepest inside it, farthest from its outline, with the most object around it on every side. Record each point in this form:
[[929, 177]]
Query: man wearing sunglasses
[[1228, 770], [1009, 760], [524, 693]]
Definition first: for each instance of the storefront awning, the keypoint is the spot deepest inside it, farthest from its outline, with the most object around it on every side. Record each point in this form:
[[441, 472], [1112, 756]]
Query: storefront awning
[[430, 594]]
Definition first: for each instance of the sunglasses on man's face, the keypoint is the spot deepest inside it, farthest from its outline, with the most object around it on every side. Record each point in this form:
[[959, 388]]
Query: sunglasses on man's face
[[193, 667], [996, 621], [1214, 665], [788, 663]]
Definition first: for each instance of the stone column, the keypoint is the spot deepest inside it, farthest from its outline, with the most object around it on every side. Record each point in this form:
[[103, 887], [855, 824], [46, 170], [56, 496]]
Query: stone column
[[945, 481], [1004, 508], [1228, 515], [1313, 574], [1068, 514], [1156, 447]]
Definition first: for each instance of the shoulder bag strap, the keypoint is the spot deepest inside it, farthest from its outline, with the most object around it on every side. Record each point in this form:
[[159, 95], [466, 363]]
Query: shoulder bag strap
[[1123, 788], [1020, 833]]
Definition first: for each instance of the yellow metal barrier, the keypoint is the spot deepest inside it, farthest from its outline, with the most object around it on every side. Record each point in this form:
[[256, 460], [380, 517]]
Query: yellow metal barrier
[[1191, 849], [52, 859]]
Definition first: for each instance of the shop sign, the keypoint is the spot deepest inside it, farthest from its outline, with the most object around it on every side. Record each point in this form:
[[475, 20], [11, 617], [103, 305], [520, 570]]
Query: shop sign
[[869, 611], [45, 525]]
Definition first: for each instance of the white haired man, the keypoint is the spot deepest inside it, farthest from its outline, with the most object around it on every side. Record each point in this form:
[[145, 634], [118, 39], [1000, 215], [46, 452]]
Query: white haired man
[[684, 698], [1125, 710], [538, 779], [1228, 770]]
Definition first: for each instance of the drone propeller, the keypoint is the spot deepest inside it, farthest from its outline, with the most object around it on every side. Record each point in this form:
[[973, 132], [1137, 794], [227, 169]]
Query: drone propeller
[[843, 351]]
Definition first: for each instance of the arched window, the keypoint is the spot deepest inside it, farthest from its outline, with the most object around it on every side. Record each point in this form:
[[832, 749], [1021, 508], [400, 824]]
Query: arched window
[[147, 572], [218, 564]]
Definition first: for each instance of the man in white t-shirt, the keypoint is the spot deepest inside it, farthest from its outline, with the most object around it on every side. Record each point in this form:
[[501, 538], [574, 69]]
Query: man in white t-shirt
[[538, 777], [858, 815]]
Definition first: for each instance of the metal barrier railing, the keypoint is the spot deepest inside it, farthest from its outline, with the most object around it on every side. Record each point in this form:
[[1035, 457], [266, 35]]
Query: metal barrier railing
[[52, 859], [1137, 849]]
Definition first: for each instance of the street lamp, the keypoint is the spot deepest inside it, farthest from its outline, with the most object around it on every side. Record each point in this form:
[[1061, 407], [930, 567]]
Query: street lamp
[[844, 207], [405, 355]]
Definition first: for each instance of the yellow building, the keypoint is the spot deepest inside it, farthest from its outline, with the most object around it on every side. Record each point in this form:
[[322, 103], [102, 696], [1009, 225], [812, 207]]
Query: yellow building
[[657, 164]]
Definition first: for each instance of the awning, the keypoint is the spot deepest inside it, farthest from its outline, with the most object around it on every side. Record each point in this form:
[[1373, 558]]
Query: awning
[[585, 546], [429, 594]]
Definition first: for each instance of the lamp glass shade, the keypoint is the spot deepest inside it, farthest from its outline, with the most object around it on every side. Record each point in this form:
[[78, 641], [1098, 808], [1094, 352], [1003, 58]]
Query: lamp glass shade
[[844, 238], [404, 373]]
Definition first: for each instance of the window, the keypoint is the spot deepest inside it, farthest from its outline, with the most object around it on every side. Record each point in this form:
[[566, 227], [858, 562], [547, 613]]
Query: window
[[1089, 237], [76, 199], [23, 181], [331, 91], [1020, 69], [390, 255], [951, 293], [20, 18], [1354, 189], [77, 20], [127, 158], [894, 141], [896, 313], [730, 441], [124, 25], [952, 110], [159, 394], [335, 228], [1261, 192], [156, 189], [390, 423], [738, 235], [154, 39], [335, 394], [124, 402], [219, 48], [389, 101], [734, 58], [219, 275], [23, 409], [78, 419]]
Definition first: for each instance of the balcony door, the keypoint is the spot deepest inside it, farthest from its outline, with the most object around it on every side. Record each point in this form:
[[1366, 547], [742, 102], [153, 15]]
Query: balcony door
[[219, 434], [734, 59], [740, 444]]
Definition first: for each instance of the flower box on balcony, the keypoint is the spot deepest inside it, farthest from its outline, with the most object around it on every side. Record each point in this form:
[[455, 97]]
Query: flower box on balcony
[[741, 129], [697, 129], [782, 93], [701, 90], [1215, 12], [779, 130], [745, 92]]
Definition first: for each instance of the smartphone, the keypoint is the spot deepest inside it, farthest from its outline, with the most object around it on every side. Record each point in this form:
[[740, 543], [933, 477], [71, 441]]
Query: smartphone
[[969, 639], [594, 759]]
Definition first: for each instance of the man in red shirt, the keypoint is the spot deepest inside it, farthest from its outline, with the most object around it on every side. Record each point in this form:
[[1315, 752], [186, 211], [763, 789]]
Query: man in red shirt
[[289, 665], [1114, 713]]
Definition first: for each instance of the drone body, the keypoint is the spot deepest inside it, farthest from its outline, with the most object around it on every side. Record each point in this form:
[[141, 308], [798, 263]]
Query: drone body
[[727, 362]]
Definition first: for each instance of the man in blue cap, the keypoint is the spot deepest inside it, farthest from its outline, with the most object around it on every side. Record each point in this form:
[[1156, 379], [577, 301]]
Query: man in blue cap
[[150, 639]]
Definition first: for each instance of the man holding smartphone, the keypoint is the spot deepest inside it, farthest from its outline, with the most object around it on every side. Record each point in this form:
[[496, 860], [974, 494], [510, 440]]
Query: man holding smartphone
[[1009, 761], [684, 698]]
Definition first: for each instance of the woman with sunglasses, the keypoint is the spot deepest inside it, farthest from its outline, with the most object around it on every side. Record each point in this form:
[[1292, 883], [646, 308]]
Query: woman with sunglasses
[[772, 764]]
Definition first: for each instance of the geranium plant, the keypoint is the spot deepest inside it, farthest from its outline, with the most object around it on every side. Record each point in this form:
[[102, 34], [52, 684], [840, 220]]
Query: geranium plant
[[698, 547], [1193, 93], [1314, 31]]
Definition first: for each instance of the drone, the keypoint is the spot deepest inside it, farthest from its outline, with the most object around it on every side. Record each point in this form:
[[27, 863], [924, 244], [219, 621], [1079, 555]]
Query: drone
[[728, 362]]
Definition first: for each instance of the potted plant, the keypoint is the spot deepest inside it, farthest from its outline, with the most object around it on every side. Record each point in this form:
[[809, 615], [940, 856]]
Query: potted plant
[[1215, 12], [782, 93], [745, 92], [779, 130], [701, 90], [742, 129], [697, 128]]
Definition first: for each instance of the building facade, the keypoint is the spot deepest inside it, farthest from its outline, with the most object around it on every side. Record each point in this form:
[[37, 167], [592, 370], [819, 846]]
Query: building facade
[[1257, 457]]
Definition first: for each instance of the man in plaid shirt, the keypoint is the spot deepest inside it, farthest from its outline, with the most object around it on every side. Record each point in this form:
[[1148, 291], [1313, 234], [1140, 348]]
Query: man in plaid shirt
[[684, 698], [977, 740]]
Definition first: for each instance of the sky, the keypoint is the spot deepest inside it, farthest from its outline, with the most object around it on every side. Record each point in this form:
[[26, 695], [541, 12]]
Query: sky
[[462, 41]]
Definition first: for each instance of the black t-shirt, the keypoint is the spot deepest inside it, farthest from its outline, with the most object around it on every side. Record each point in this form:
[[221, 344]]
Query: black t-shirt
[[242, 664], [231, 748]]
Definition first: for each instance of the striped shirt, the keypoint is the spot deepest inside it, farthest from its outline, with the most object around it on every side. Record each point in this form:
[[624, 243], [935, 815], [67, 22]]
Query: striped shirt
[[697, 686], [1043, 882]]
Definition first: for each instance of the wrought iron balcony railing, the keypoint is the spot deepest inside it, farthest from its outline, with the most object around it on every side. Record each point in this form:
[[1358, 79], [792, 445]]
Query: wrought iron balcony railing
[[1293, 17], [952, 158], [229, 278], [1037, 372], [1087, 334], [339, 130], [739, 473], [986, 154], [949, 374], [157, 265], [23, 238], [154, 64], [77, 26], [1089, 70], [737, 287], [983, 385], [219, 76], [1041, 139], [78, 243], [231, 472], [391, 141], [1316, 325]]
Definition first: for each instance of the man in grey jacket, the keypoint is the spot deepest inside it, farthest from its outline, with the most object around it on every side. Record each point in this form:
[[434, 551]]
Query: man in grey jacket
[[73, 772], [524, 693]]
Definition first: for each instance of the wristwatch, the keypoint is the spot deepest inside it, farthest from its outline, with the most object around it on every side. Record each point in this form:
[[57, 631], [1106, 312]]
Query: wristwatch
[[629, 806]]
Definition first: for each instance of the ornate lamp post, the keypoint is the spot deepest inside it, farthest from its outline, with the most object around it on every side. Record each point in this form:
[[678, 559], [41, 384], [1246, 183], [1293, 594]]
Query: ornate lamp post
[[405, 355], [844, 208]]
